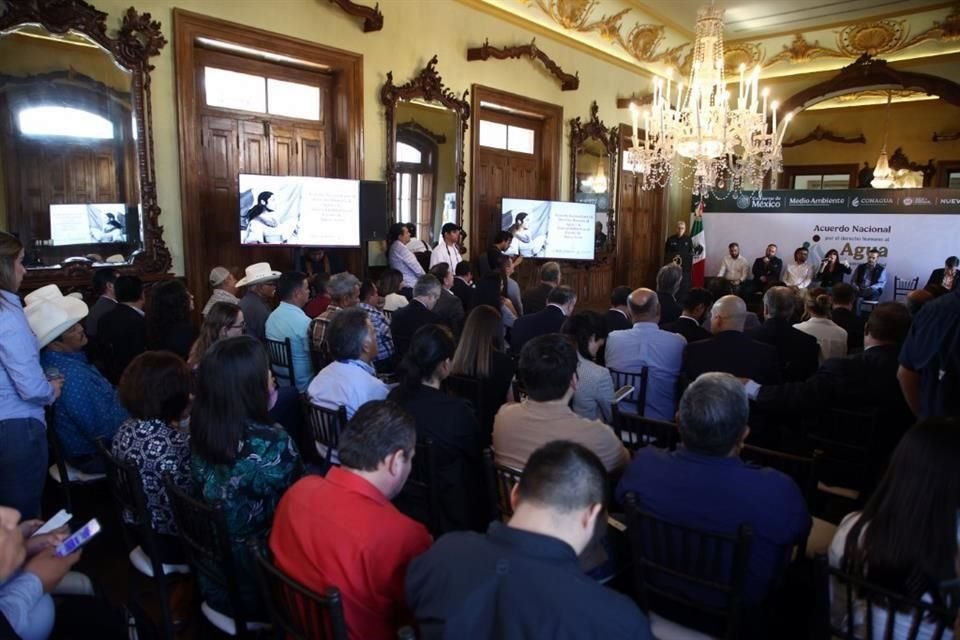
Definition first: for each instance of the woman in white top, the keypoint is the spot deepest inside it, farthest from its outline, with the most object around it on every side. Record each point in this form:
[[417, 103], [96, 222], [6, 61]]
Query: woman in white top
[[905, 539], [401, 258], [594, 393], [388, 287], [260, 224], [831, 336]]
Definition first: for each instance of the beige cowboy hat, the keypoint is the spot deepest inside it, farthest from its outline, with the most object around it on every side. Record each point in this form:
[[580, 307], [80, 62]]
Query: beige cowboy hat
[[48, 292], [50, 318], [257, 273]]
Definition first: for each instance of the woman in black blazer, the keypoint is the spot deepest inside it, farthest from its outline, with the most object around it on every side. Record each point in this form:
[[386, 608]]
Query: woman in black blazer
[[450, 423], [832, 270]]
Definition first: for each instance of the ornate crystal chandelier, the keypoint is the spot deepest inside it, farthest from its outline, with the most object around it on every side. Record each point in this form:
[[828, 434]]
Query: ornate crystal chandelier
[[727, 147]]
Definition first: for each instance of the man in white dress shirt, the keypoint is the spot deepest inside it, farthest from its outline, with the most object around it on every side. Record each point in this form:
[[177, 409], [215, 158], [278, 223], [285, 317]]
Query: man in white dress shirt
[[799, 275], [734, 267], [448, 249]]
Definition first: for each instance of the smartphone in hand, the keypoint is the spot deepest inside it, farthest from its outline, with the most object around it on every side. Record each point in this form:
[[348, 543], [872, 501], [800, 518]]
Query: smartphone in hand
[[78, 539]]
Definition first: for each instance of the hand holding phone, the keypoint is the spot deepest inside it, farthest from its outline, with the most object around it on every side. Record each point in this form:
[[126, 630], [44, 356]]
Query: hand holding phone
[[78, 539], [50, 568], [61, 518]]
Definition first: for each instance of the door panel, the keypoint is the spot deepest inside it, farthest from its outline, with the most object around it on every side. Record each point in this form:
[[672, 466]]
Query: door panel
[[283, 151]]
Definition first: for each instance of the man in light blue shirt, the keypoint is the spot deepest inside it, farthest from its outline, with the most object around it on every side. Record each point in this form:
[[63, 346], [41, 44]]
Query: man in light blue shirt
[[349, 381], [289, 321], [646, 345]]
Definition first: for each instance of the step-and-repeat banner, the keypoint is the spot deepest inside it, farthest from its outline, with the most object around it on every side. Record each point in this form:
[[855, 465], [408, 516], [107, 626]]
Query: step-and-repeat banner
[[914, 230]]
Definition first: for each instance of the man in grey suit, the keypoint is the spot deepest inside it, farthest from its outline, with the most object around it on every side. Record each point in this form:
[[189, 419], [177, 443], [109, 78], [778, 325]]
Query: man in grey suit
[[448, 307]]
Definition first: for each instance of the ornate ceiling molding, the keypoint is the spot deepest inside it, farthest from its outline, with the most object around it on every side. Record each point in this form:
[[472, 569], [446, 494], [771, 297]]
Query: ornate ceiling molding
[[819, 133], [800, 51]]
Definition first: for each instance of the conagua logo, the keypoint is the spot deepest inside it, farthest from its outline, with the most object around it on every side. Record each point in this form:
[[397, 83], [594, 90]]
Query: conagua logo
[[855, 202]]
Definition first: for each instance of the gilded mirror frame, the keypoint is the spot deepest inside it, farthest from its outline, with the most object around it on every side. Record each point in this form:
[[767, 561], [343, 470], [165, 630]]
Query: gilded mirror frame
[[138, 39], [609, 138], [426, 85]]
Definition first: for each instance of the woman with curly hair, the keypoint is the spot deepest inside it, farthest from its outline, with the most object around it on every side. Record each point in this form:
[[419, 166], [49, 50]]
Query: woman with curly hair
[[224, 320]]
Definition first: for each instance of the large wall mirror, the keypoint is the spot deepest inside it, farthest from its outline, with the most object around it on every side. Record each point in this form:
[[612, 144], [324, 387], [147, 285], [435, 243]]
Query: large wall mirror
[[76, 160], [426, 126], [594, 150]]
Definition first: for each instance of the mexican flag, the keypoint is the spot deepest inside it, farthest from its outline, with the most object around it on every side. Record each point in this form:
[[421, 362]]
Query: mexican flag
[[699, 241]]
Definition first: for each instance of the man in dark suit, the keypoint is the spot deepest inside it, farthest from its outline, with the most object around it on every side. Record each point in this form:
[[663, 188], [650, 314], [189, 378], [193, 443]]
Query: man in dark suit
[[489, 259], [122, 331], [668, 284], [696, 303], [729, 350], [535, 298], [767, 269], [798, 352], [448, 307], [618, 315], [679, 250], [463, 284], [560, 304], [950, 268], [406, 320], [844, 297]]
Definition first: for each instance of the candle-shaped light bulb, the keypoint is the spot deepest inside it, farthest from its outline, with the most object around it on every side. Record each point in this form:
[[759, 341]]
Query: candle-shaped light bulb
[[773, 108], [634, 120], [766, 92]]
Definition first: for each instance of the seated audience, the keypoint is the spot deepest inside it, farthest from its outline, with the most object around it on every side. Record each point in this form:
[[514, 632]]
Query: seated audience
[[560, 304], [870, 278], [344, 290], [447, 420], [646, 345], [535, 298], [260, 282], [905, 539], [799, 274], [529, 562], [947, 276], [418, 313], [729, 350], [547, 368], [594, 393], [401, 256], [241, 461], [357, 541], [618, 315], [831, 337], [389, 287], [669, 279], [696, 305], [865, 380], [350, 379], [289, 321], [832, 270], [448, 249], [29, 572], [491, 290], [463, 284], [481, 355], [223, 320], [510, 287], [319, 298], [734, 268], [103, 287], [704, 484], [224, 288], [370, 301], [843, 313], [122, 331], [168, 318], [88, 408], [448, 307], [155, 389], [798, 352]]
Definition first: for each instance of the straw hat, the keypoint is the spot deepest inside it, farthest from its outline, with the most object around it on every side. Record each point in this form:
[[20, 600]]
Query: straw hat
[[49, 318], [257, 273], [49, 292]]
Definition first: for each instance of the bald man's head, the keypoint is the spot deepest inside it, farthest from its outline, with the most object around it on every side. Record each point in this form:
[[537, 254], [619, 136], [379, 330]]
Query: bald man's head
[[644, 305], [728, 314]]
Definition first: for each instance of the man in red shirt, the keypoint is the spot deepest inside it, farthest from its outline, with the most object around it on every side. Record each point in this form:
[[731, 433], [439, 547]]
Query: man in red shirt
[[342, 531]]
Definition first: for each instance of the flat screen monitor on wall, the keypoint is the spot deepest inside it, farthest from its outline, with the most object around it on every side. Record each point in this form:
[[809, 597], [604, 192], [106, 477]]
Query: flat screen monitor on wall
[[299, 211], [87, 224], [555, 230]]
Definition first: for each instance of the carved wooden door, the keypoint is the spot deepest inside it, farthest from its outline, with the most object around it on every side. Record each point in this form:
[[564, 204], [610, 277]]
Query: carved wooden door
[[639, 232]]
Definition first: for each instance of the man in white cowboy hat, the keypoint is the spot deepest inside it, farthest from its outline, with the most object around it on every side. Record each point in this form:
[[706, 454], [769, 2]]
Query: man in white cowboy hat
[[224, 288], [257, 302], [88, 407]]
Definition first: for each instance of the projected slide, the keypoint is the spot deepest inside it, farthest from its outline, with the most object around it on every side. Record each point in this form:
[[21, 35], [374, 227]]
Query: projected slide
[[296, 210], [541, 229], [87, 224]]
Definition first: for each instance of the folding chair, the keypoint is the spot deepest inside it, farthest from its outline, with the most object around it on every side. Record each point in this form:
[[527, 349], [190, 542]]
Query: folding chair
[[323, 428], [635, 431], [636, 380], [281, 360]]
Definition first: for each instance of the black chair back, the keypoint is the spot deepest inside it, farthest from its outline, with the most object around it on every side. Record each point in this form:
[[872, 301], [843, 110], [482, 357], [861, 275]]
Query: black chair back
[[206, 540], [281, 360], [126, 487], [500, 480], [323, 427], [903, 286], [297, 611], [636, 380], [471, 389], [866, 610], [636, 432], [671, 561], [519, 390], [420, 497]]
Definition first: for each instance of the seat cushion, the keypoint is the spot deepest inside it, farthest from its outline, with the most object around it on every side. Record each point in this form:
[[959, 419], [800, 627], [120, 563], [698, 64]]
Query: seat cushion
[[225, 623], [141, 561]]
